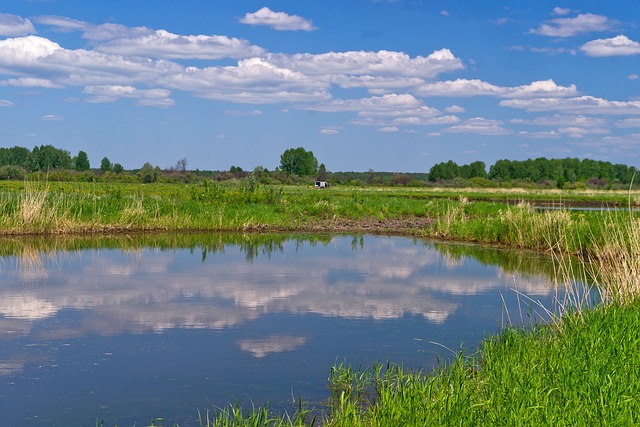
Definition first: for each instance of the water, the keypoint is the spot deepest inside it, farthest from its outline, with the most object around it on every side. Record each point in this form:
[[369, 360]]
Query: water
[[125, 329]]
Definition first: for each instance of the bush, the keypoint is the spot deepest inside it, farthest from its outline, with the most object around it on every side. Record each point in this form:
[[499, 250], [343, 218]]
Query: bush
[[12, 172]]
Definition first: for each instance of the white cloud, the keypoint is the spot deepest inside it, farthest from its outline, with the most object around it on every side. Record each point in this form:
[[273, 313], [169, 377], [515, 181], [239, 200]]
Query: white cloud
[[577, 105], [30, 82], [559, 11], [34, 57], [463, 87], [389, 129], [244, 113], [386, 104], [566, 121], [253, 80], [163, 44], [568, 27], [61, 23], [277, 20], [633, 76], [455, 109], [13, 25], [52, 118], [581, 132], [444, 12], [553, 50], [479, 126], [146, 97], [616, 46], [330, 131], [6, 103], [362, 63], [538, 135], [628, 123]]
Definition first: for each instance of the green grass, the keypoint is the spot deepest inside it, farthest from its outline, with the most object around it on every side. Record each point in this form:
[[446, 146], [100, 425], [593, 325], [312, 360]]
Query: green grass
[[586, 372]]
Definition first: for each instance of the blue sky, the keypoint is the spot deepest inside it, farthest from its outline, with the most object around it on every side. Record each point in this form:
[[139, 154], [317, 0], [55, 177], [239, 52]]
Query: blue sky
[[365, 84]]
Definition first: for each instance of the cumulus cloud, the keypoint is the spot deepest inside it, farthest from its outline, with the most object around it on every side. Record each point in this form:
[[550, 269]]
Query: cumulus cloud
[[576, 105], [6, 103], [616, 46], [566, 121], [465, 88], [280, 21], [30, 82], [12, 25], [628, 123], [568, 27], [539, 135], [388, 129], [146, 97], [559, 11], [163, 44], [363, 63], [479, 126], [581, 132], [34, 56]]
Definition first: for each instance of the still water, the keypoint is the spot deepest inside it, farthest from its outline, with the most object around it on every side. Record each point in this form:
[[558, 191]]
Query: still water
[[125, 329]]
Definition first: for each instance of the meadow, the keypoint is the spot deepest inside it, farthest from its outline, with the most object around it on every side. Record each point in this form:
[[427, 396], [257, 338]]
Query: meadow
[[583, 368]]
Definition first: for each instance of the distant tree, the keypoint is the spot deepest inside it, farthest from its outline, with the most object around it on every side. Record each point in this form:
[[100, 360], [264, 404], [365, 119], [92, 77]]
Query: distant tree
[[322, 173], [181, 165], [444, 171], [117, 168], [235, 169], [299, 161], [105, 164], [148, 173], [81, 161], [49, 157]]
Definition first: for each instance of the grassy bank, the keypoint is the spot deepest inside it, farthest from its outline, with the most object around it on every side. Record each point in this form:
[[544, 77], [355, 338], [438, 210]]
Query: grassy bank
[[245, 205]]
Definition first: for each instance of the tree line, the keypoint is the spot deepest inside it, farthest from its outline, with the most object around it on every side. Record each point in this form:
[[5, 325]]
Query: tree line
[[540, 171]]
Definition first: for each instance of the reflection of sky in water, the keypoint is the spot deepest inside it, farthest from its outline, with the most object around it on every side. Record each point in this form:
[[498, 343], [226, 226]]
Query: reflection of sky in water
[[107, 328]]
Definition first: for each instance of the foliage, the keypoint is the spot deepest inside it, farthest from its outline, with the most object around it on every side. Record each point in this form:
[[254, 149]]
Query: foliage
[[148, 173], [81, 162], [562, 171], [299, 161], [105, 164]]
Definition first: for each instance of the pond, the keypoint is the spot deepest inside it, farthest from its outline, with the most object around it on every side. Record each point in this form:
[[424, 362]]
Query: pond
[[128, 328]]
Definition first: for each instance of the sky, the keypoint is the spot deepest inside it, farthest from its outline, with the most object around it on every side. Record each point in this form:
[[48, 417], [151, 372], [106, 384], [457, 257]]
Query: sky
[[388, 85]]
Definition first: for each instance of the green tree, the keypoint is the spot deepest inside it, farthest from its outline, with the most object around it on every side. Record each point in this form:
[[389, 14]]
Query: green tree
[[299, 161], [81, 161], [117, 168], [322, 173], [48, 157], [105, 164], [148, 173]]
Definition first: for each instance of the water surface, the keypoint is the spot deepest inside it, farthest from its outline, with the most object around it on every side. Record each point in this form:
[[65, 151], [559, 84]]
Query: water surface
[[130, 328]]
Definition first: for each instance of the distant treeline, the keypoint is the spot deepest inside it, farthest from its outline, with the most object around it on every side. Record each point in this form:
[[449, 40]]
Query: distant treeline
[[58, 165], [539, 171]]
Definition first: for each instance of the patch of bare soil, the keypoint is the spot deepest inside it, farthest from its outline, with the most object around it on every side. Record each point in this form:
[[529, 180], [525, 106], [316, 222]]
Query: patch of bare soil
[[393, 226]]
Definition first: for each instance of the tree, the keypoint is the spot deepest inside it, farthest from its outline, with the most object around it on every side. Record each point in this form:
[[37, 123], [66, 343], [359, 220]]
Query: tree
[[105, 164], [81, 161], [117, 168], [148, 173], [49, 157], [181, 165], [299, 161], [322, 173]]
